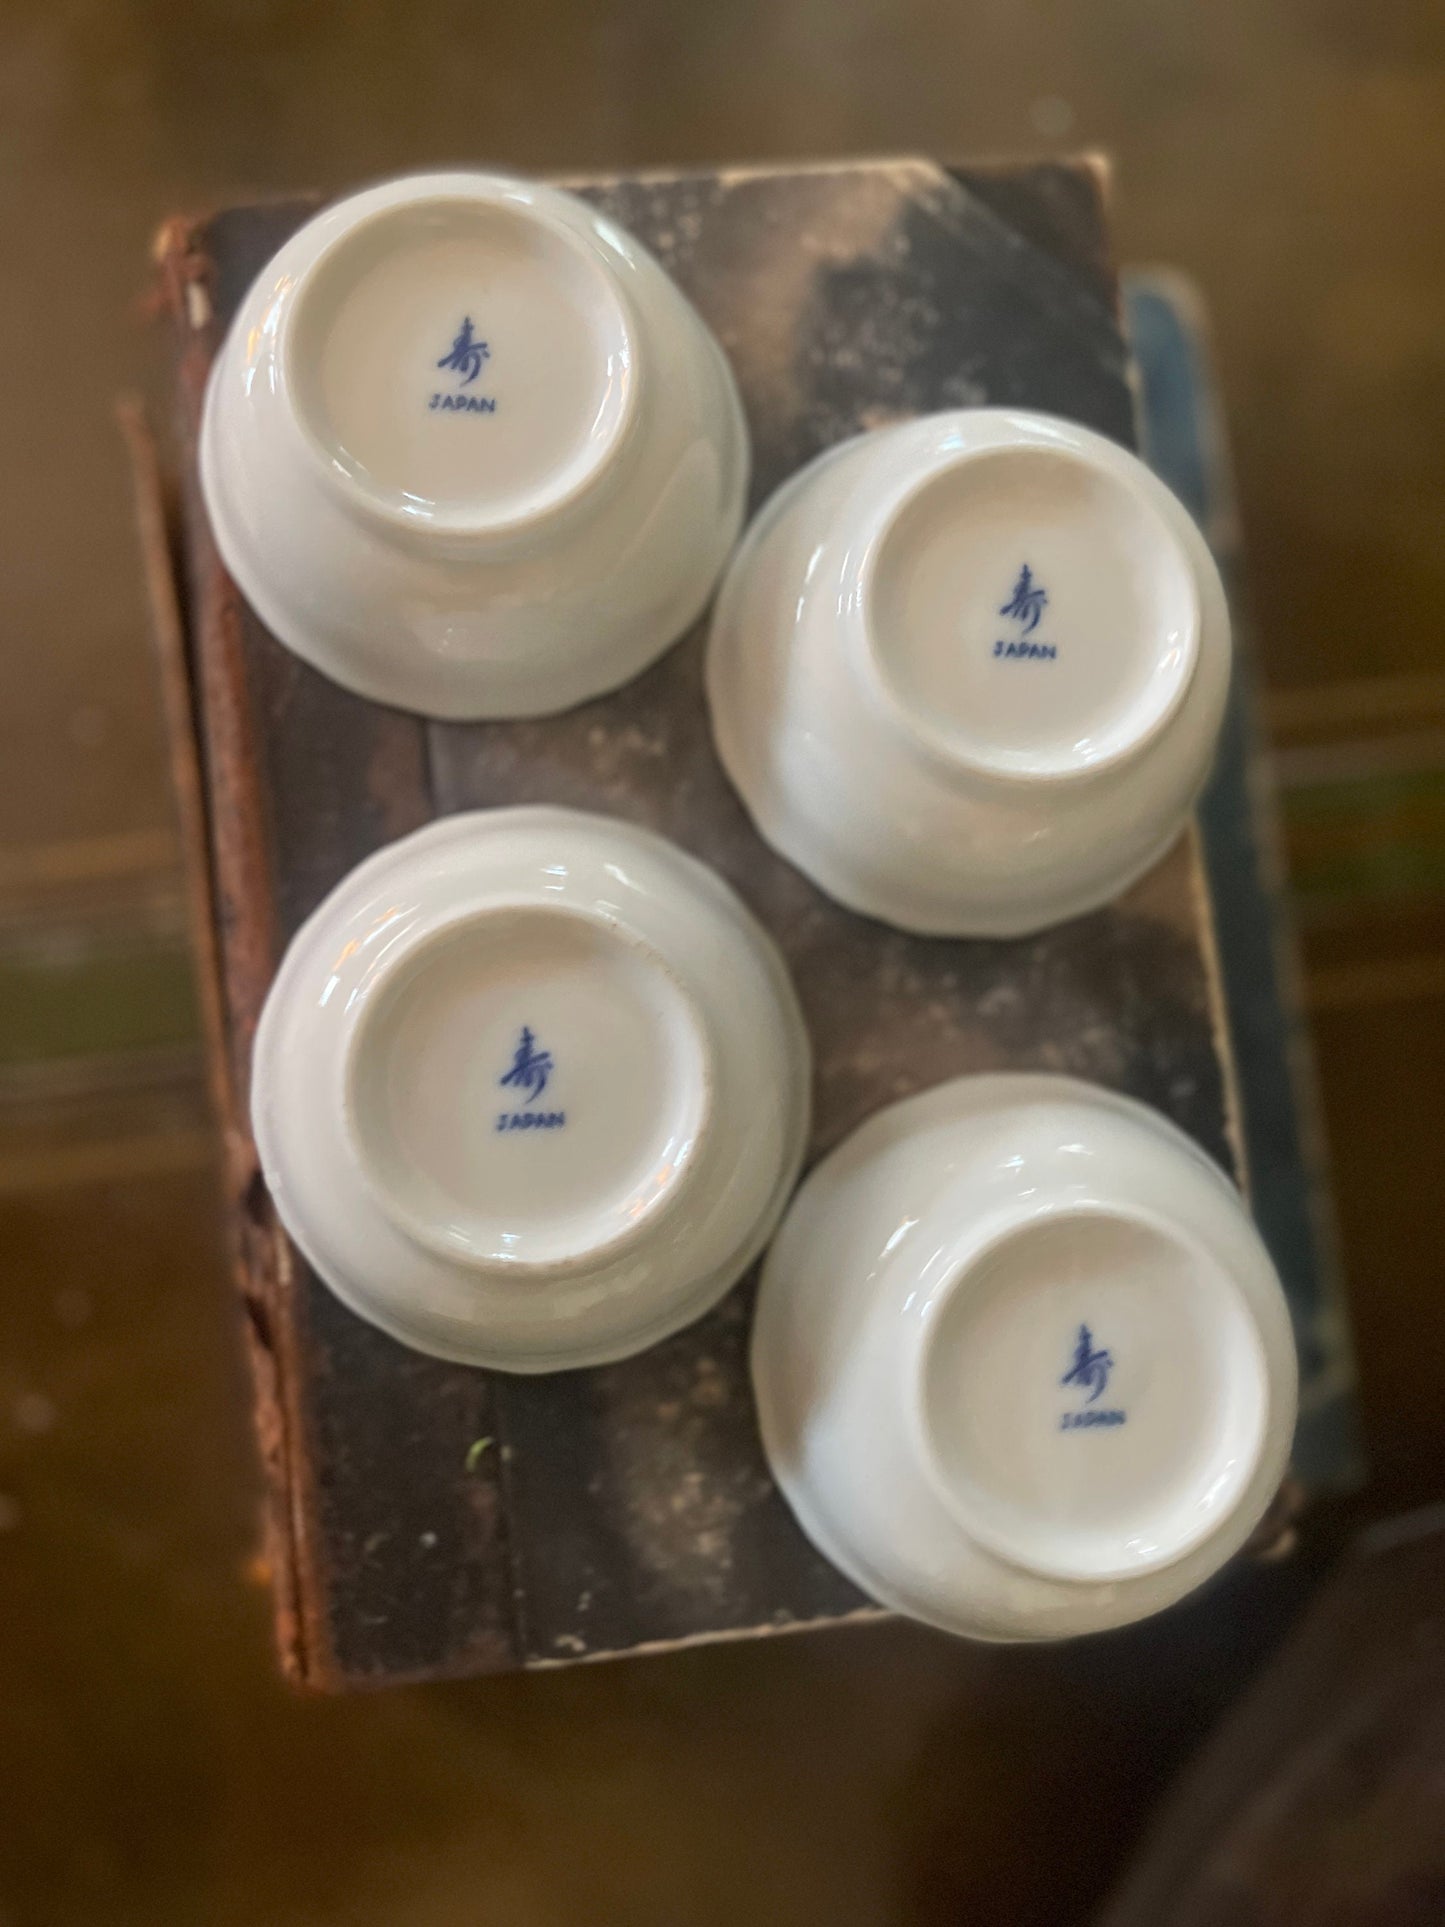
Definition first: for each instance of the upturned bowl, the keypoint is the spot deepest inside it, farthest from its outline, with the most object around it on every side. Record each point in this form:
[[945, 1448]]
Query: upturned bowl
[[967, 672], [1023, 1366], [469, 450], [530, 1089]]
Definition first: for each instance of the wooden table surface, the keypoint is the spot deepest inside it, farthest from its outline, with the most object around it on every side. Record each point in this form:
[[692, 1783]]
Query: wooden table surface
[[629, 1507]]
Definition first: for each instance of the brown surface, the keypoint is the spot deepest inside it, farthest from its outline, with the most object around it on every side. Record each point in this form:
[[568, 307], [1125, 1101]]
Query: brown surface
[[1320, 1802], [1288, 155], [631, 1506], [1322, 260], [158, 1770]]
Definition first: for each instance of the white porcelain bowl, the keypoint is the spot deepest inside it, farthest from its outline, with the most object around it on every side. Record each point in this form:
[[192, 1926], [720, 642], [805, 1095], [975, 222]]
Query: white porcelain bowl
[[468, 450], [530, 1089], [1023, 1366], [967, 672]]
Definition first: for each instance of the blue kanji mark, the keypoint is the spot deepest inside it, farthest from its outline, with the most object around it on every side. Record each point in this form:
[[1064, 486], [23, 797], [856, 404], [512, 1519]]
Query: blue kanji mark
[[466, 353], [530, 1067], [1090, 1368], [1027, 603]]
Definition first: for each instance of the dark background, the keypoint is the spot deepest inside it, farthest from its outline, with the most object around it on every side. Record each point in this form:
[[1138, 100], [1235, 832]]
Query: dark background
[[1289, 156]]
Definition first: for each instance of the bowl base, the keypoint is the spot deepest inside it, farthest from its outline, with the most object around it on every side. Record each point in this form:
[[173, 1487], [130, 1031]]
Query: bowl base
[[528, 1088], [465, 363], [1093, 1395]]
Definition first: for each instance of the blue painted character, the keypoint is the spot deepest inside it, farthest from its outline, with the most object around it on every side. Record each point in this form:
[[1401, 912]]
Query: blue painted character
[[1028, 601], [466, 354], [1090, 1369], [530, 1067]]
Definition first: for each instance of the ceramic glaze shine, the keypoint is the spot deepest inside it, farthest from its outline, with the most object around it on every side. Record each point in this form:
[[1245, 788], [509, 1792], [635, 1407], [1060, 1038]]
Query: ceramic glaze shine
[[469, 451], [1023, 1366], [530, 1088], [967, 671], [468, 361]]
